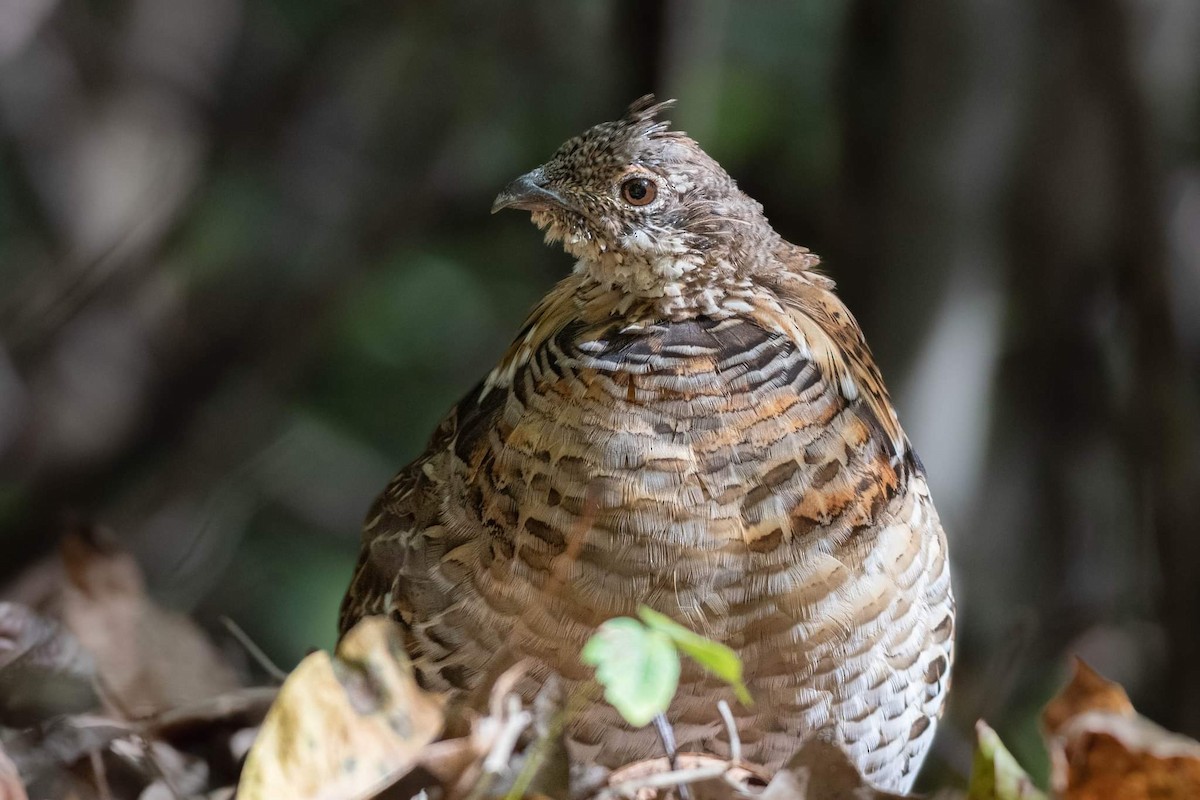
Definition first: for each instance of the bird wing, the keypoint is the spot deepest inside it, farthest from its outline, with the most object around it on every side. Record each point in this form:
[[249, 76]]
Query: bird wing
[[812, 315], [396, 536], [404, 539]]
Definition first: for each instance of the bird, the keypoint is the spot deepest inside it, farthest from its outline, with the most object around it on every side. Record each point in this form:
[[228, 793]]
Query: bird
[[690, 421]]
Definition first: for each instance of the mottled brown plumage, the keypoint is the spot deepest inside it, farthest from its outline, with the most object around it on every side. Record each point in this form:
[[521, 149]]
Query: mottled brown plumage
[[691, 420]]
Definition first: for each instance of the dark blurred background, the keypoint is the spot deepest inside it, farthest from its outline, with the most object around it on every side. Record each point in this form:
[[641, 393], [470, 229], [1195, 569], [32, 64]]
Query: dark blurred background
[[246, 263]]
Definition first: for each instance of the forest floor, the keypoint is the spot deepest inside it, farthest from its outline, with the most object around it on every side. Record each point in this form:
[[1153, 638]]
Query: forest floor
[[105, 695]]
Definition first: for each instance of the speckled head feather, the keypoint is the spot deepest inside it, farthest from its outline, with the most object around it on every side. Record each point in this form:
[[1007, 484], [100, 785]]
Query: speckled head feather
[[639, 204], [623, 138]]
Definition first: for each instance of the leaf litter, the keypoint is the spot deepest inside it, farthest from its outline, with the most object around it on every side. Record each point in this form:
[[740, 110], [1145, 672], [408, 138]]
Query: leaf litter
[[105, 695]]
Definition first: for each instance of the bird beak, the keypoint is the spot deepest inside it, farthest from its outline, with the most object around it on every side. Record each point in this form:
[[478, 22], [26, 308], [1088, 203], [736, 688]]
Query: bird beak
[[528, 193]]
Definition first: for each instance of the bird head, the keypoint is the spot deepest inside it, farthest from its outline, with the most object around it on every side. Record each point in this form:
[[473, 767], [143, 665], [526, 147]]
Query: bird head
[[639, 203]]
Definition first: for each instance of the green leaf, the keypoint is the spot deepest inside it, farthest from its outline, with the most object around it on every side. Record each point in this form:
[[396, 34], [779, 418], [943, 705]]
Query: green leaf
[[996, 775], [713, 656], [638, 668]]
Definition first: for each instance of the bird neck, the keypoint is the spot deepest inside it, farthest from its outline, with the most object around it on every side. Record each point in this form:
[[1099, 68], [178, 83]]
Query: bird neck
[[672, 286]]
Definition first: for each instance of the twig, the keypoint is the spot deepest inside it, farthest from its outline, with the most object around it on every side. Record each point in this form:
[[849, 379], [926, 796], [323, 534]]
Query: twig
[[735, 741], [516, 720], [506, 740], [666, 735], [505, 686], [152, 759], [129, 748], [538, 751], [662, 780], [533, 765], [107, 695], [100, 774], [253, 650]]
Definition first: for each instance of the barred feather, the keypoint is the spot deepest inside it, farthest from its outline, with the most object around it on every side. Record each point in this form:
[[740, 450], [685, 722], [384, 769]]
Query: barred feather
[[719, 446]]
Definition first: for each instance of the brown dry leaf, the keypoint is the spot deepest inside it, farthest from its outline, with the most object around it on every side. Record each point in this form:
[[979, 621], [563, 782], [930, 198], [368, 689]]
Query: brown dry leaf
[[237, 709], [1100, 748], [1102, 755], [823, 771], [44, 670], [45, 750], [150, 660], [346, 726], [1087, 691], [449, 759], [11, 787]]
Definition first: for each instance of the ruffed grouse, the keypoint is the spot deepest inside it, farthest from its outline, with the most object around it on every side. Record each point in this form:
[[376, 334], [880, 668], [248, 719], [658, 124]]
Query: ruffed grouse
[[691, 420]]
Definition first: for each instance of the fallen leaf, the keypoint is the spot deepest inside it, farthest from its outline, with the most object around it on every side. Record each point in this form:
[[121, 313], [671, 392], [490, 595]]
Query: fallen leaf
[[995, 774], [46, 751], [150, 660], [822, 770], [1087, 691], [446, 761], [237, 709], [44, 670], [1100, 755], [1101, 748], [11, 787], [344, 726], [157, 766]]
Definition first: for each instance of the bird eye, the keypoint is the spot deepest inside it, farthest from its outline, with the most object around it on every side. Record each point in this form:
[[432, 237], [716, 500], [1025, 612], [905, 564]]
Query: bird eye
[[639, 191]]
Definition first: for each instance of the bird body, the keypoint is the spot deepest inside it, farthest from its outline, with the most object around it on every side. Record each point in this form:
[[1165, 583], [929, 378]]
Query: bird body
[[691, 421]]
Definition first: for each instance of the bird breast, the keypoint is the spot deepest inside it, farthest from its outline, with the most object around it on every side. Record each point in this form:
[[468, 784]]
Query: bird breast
[[695, 466], [709, 470]]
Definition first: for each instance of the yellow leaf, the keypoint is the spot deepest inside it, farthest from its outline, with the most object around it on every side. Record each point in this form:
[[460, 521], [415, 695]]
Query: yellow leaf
[[346, 726]]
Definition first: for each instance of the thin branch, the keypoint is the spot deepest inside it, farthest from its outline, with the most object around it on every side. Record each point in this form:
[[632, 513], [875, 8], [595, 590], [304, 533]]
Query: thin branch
[[506, 740], [735, 740], [100, 774], [108, 695], [662, 780], [254, 651]]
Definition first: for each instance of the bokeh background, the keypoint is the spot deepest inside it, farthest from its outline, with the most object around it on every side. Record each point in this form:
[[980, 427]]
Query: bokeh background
[[246, 263]]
